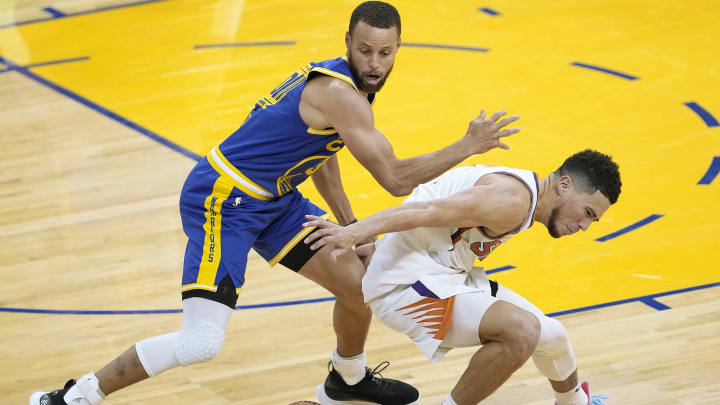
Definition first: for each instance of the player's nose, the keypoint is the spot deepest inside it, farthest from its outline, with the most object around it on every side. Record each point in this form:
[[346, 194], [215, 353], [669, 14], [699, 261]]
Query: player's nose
[[374, 62]]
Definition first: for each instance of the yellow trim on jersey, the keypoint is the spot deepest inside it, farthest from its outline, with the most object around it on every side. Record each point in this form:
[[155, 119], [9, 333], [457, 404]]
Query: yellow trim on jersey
[[294, 241], [212, 248], [196, 286], [237, 178], [313, 131], [335, 74]]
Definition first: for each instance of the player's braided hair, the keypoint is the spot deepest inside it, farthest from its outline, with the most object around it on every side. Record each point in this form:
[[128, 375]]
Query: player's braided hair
[[376, 14], [591, 171]]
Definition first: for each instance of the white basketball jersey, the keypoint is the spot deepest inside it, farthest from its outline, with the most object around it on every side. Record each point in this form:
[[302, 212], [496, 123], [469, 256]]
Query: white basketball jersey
[[453, 249]]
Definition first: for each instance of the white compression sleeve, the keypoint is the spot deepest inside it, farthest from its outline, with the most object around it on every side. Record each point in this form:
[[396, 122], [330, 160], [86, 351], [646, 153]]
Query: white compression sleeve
[[202, 334]]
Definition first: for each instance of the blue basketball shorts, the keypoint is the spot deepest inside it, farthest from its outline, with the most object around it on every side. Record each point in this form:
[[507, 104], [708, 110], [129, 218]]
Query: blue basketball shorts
[[222, 223]]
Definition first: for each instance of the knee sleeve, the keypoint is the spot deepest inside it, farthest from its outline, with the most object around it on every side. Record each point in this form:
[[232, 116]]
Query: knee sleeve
[[201, 342], [201, 337], [554, 356]]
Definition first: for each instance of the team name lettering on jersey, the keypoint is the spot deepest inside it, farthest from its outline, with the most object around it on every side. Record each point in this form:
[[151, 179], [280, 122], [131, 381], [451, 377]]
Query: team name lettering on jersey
[[211, 254], [483, 249]]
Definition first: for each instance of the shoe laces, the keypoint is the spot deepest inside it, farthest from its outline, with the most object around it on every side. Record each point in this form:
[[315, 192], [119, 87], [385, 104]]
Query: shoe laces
[[597, 399], [382, 383]]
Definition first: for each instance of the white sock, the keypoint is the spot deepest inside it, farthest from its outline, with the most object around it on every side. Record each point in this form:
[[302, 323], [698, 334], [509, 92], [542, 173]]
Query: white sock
[[86, 391], [575, 396], [449, 400], [351, 369]]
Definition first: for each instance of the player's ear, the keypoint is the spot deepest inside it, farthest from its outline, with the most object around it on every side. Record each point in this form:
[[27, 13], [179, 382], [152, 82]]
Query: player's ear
[[347, 40], [564, 185]]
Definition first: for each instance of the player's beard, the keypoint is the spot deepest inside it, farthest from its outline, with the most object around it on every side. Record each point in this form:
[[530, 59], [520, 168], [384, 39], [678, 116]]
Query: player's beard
[[552, 223], [360, 81]]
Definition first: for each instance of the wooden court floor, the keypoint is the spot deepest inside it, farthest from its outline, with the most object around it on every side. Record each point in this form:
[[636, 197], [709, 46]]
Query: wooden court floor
[[105, 106]]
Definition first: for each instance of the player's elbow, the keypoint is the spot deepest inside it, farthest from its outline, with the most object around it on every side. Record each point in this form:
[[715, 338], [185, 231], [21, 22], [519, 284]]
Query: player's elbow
[[391, 178], [398, 188]]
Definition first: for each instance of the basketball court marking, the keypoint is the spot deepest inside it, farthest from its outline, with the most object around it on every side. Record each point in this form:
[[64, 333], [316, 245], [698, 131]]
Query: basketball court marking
[[240, 44], [649, 300], [56, 14], [711, 172], [629, 228], [489, 11], [102, 110], [605, 70], [441, 46], [708, 118]]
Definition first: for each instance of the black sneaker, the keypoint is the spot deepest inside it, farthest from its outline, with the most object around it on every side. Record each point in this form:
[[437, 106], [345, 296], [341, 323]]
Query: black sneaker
[[370, 390], [51, 398]]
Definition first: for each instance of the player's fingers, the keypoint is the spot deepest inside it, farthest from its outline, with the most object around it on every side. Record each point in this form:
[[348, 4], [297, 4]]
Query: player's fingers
[[497, 115], [507, 120], [318, 223], [313, 217], [365, 250], [320, 243], [313, 236], [502, 146], [508, 132], [481, 116]]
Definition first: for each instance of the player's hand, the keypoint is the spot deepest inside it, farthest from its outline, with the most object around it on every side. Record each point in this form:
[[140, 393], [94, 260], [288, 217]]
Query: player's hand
[[366, 242], [365, 252], [484, 134], [338, 238]]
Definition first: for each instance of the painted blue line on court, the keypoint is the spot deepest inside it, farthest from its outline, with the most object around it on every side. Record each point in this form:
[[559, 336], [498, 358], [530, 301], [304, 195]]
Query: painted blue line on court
[[285, 303], [499, 269], [55, 62], [91, 11], [241, 44], [711, 172], [54, 12], [489, 11], [605, 70], [649, 301], [439, 46], [629, 228], [152, 311], [82, 312], [114, 7], [646, 299], [102, 110], [710, 121], [629, 300]]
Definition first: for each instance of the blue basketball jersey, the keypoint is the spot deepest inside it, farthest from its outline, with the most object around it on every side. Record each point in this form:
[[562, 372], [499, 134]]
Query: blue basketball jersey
[[274, 150]]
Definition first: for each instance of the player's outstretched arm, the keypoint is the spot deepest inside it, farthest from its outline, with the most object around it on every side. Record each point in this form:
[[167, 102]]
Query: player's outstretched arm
[[349, 112], [494, 206]]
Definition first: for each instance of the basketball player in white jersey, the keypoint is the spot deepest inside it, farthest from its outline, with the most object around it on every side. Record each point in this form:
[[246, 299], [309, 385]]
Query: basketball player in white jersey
[[421, 280]]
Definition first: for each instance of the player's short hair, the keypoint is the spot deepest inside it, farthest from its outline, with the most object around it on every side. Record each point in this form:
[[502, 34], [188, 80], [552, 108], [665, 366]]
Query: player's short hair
[[591, 171], [376, 14]]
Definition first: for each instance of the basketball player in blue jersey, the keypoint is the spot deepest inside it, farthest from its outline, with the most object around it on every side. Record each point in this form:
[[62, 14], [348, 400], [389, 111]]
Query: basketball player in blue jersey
[[422, 281], [243, 195]]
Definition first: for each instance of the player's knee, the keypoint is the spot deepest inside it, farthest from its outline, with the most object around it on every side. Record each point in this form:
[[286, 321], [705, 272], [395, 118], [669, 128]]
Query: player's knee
[[554, 356], [349, 287], [521, 333], [199, 342], [553, 337], [350, 294]]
